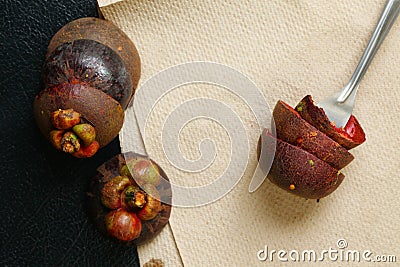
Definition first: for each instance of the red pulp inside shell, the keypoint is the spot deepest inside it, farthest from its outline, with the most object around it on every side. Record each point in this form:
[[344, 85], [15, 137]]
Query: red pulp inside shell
[[352, 130]]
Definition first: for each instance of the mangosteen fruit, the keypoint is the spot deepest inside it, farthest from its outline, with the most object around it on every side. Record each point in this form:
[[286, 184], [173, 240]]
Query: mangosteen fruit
[[89, 76], [310, 151], [127, 206]]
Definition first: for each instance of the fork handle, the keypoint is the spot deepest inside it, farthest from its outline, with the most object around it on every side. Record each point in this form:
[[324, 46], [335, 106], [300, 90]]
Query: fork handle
[[388, 17]]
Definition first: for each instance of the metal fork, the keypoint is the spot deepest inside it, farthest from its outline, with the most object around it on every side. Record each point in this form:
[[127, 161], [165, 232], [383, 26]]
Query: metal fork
[[339, 106]]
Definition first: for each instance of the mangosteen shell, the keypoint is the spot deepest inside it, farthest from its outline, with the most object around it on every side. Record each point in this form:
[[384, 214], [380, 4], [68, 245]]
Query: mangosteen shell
[[95, 107], [97, 211], [104, 32], [312, 178], [89, 62], [291, 128], [316, 116]]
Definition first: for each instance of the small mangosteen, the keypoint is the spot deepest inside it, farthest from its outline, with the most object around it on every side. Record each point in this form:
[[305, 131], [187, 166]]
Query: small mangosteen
[[124, 210]]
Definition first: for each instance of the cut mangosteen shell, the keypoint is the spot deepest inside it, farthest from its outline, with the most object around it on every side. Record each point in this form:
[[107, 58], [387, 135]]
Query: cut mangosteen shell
[[97, 211], [291, 128], [103, 112], [349, 136], [311, 177]]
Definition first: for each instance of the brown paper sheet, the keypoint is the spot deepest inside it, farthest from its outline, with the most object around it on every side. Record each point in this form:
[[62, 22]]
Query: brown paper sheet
[[289, 49]]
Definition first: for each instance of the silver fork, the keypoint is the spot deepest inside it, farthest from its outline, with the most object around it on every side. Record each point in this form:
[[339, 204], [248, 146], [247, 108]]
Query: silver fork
[[339, 106]]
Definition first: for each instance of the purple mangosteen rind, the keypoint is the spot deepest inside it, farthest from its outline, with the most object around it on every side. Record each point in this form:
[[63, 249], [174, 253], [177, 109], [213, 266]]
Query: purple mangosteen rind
[[92, 63]]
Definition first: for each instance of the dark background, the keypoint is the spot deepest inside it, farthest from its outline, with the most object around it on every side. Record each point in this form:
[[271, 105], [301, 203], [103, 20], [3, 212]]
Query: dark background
[[42, 192]]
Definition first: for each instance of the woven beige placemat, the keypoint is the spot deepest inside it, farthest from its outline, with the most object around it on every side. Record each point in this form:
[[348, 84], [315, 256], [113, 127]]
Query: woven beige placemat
[[289, 49]]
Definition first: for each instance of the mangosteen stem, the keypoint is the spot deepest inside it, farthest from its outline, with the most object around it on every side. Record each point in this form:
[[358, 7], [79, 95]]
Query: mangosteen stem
[[70, 143], [134, 197]]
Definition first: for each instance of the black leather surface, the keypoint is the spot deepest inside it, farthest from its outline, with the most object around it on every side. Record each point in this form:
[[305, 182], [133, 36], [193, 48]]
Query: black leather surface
[[42, 192]]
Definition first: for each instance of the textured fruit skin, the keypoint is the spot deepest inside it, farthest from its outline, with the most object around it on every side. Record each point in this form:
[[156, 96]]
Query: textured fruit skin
[[55, 137], [104, 32], [142, 171], [87, 151], [91, 63], [153, 205], [112, 190], [65, 119], [309, 176], [70, 143], [296, 131], [133, 198], [97, 211], [349, 137], [123, 225], [102, 111], [85, 132]]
